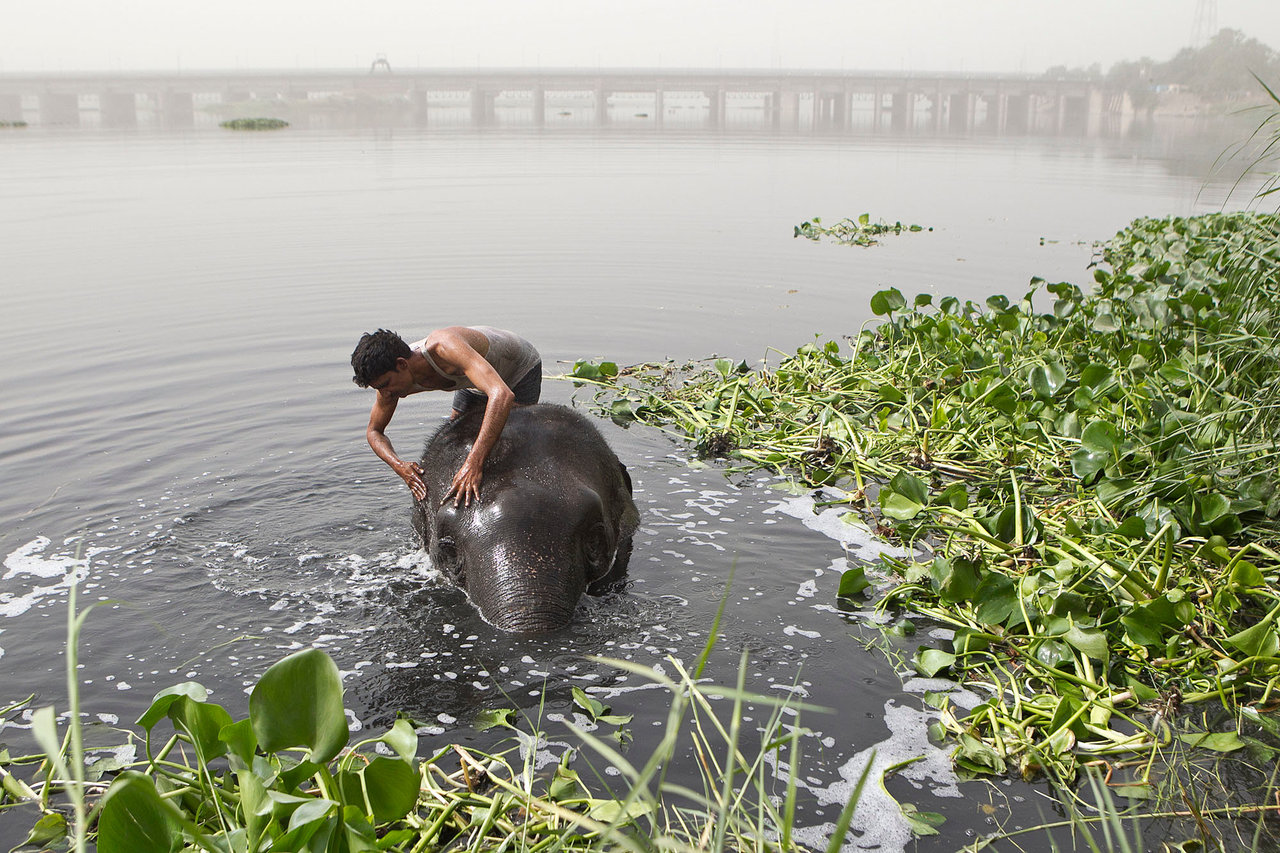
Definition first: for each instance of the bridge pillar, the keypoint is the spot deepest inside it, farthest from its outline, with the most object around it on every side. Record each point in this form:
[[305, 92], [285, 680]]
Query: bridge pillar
[[602, 104], [1075, 114], [877, 107], [1095, 109], [789, 110], [10, 108], [997, 112], [840, 111], [659, 107], [960, 112], [419, 97], [482, 106], [57, 108], [118, 109], [539, 106], [715, 107], [177, 109], [937, 106], [1018, 113], [904, 107]]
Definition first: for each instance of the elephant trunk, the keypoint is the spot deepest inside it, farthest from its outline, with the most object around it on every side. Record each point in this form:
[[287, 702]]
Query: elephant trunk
[[527, 592]]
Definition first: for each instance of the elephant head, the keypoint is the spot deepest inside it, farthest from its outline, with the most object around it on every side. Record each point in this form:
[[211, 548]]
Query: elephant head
[[554, 519]]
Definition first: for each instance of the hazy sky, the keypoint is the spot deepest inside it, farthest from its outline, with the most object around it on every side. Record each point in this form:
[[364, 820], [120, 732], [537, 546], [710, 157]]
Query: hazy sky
[[933, 35]]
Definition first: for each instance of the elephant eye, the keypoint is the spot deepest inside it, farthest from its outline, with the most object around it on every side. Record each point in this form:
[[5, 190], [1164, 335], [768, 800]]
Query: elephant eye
[[595, 550], [446, 555]]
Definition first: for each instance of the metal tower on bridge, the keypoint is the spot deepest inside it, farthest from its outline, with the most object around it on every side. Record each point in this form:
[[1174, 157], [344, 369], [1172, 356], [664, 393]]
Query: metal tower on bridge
[[1205, 24]]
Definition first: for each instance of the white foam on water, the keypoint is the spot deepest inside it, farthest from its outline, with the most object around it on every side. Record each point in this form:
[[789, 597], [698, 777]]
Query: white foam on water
[[878, 823], [854, 536], [29, 561]]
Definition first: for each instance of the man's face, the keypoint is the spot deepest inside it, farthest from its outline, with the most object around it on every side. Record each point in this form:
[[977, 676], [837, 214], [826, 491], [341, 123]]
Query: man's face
[[397, 382]]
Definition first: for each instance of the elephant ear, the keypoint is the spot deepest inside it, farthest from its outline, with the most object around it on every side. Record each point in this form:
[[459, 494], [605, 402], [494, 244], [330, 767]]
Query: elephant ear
[[626, 477]]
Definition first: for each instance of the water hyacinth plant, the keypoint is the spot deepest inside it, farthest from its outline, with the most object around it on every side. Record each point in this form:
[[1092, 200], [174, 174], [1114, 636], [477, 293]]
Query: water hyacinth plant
[[254, 124], [1089, 481], [852, 232]]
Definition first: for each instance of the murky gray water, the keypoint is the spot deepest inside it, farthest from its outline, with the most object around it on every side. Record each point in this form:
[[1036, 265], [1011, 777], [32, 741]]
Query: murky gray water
[[178, 422]]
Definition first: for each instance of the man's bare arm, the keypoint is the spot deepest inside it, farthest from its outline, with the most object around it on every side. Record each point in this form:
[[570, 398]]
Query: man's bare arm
[[384, 406], [455, 350]]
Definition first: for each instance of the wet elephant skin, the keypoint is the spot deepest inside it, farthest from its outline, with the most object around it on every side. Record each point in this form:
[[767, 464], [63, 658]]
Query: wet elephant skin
[[554, 519]]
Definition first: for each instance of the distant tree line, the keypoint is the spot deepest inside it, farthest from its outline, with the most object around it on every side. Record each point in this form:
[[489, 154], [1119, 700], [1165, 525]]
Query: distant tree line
[[1221, 70]]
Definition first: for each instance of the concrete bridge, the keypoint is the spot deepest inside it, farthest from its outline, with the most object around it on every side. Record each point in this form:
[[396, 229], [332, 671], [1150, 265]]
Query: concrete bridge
[[783, 100]]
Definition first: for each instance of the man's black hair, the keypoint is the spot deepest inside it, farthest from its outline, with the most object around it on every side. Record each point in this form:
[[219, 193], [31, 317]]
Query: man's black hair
[[376, 354]]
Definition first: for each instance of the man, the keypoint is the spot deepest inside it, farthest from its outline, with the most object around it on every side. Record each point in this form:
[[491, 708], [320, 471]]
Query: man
[[482, 365]]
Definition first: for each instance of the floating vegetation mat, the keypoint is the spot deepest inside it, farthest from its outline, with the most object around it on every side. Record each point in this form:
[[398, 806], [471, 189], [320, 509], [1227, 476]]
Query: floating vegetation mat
[[1088, 480], [254, 124], [852, 232]]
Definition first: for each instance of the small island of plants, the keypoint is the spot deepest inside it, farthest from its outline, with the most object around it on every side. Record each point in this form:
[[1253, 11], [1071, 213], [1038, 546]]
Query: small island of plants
[[254, 124]]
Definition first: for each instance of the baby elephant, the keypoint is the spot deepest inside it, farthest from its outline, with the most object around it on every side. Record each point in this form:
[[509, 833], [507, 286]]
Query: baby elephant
[[554, 518]]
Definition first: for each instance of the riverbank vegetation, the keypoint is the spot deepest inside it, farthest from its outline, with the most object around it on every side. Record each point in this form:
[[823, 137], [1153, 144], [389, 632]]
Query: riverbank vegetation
[[1222, 71], [1089, 481]]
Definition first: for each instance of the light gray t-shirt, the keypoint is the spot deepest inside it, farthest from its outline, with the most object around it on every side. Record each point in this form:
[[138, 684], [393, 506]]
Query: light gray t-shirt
[[510, 355]]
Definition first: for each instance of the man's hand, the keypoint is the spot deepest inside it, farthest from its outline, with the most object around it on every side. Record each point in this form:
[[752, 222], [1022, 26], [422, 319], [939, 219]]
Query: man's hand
[[465, 486], [411, 473]]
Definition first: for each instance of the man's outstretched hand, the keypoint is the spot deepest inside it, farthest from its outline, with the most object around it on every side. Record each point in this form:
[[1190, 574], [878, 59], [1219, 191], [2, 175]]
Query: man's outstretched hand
[[411, 473], [465, 486]]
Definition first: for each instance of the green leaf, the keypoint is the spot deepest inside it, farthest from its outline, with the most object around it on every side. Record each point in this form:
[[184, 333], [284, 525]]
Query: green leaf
[[887, 301], [584, 369], [1091, 641], [160, 703], [922, 823], [955, 578], [1215, 741], [403, 740], [852, 582], [905, 497], [1101, 437], [929, 662], [135, 819], [1086, 463], [494, 717], [997, 599], [1246, 575], [314, 819], [391, 785], [1258, 640], [240, 739], [1132, 528], [1047, 380], [1097, 378], [49, 829], [977, 757], [203, 722], [298, 702], [593, 707], [1148, 624]]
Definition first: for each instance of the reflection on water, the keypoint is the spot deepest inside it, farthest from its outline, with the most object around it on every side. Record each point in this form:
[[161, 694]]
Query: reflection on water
[[179, 425]]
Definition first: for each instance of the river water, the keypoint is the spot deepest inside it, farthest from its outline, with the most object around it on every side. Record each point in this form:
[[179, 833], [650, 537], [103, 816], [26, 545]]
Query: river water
[[178, 426]]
